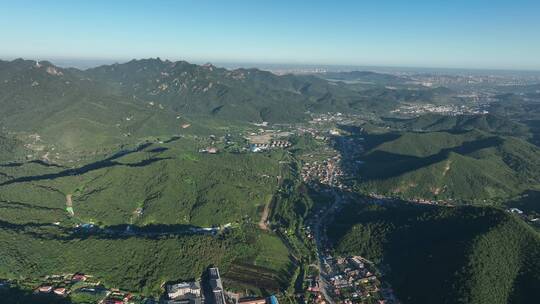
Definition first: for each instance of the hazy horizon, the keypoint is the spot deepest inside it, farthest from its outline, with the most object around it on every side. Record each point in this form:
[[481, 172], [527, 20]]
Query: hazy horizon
[[85, 63], [487, 35]]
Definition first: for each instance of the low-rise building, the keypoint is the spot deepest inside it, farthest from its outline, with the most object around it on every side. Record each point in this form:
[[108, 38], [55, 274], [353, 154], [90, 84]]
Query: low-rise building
[[184, 290], [79, 277], [60, 291], [45, 289]]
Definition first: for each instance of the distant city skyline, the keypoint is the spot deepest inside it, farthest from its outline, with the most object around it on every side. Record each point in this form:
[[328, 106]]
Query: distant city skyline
[[474, 34]]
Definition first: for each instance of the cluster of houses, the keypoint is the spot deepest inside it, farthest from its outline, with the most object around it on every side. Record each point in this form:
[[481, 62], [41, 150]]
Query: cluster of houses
[[313, 132], [380, 199], [192, 292], [67, 285], [209, 150], [258, 147], [355, 280], [263, 140], [451, 110], [327, 118], [532, 218], [327, 172], [60, 284], [117, 297]]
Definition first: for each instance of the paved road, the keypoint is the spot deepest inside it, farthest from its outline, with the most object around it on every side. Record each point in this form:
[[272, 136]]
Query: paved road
[[317, 232]]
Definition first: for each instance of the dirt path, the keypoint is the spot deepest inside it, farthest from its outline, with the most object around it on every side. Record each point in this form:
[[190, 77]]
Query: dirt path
[[69, 205], [266, 211], [447, 167], [264, 216]]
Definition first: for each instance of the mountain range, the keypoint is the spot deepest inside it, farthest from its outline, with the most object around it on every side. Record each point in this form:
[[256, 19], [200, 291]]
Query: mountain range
[[76, 110]]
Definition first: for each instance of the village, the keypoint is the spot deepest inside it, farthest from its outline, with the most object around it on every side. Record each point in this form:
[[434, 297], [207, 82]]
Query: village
[[75, 286], [530, 217], [323, 172], [344, 280], [452, 110], [324, 168], [350, 280], [208, 289]]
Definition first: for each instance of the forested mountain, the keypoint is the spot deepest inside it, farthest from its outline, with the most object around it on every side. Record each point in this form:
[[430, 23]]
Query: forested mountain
[[149, 171], [242, 94], [10, 148], [180, 87], [76, 109], [138, 208], [80, 109], [485, 122], [443, 254], [467, 165]]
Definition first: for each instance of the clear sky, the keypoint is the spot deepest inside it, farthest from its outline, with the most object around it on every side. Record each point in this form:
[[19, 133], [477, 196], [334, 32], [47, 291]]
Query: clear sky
[[435, 33]]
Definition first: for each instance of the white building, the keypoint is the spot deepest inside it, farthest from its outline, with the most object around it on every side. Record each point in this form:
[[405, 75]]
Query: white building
[[184, 290]]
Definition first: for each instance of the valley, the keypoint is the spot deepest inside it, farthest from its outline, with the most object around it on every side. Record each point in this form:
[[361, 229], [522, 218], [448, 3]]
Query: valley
[[315, 188]]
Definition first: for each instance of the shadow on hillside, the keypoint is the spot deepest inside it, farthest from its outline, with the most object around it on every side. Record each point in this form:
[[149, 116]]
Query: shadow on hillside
[[534, 126], [158, 150], [44, 231], [152, 231], [48, 231], [21, 227], [36, 161], [529, 201], [14, 295], [172, 139], [415, 241], [371, 141], [105, 163], [381, 164], [21, 205]]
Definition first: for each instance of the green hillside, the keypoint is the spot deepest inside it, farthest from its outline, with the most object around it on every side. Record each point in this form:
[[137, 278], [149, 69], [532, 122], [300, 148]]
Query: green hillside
[[166, 188], [169, 183], [525, 110], [106, 171], [437, 122], [445, 255], [242, 94], [11, 148], [76, 111], [466, 166]]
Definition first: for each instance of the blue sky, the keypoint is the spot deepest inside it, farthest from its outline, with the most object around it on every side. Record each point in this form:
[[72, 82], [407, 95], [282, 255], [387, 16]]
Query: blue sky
[[436, 33]]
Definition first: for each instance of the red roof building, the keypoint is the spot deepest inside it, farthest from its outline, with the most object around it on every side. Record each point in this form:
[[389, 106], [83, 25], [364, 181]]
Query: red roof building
[[78, 277], [60, 291], [45, 289]]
